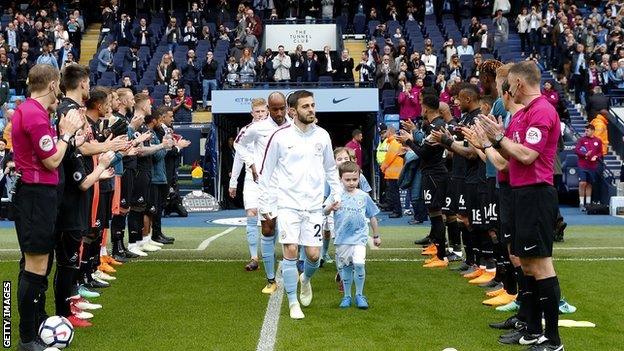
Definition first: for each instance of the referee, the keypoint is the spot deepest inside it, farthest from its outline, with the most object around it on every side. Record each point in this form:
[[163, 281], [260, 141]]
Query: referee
[[530, 144], [37, 154]]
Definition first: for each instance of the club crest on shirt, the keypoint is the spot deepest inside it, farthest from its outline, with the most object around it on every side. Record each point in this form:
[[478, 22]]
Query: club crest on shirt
[[360, 202], [45, 143], [77, 176], [318, 148], [533, 135]]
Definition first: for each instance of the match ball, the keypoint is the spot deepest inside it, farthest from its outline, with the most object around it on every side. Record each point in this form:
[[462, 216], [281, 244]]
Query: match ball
[[56, 331], [450, 349]]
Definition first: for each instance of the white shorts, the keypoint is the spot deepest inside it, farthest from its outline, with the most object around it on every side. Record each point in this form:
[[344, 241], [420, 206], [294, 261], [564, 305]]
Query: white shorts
[[300, 227], [250, 194], [350, 254]]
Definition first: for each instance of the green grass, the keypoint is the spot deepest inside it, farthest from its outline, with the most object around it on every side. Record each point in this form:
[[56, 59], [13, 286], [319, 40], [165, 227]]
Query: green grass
[[185, 299]]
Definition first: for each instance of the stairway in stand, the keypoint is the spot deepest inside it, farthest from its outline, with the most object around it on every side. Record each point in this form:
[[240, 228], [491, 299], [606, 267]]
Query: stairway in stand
[[88, 45]]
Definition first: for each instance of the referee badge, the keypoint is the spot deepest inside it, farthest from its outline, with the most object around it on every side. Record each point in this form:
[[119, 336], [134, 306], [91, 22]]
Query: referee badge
[[533, 135], [45, 143]]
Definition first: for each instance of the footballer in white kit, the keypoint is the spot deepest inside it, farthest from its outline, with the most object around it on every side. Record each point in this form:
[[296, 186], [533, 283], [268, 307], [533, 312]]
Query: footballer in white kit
[[300, 157]]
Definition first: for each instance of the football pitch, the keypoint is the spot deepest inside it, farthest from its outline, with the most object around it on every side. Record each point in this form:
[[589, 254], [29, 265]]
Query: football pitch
[[195, 295]]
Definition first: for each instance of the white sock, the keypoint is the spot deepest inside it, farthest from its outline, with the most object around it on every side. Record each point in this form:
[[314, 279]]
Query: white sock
[[103, 251], [581, 200]]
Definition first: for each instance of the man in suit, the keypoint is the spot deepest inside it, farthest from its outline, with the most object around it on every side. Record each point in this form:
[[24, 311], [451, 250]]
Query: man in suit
[[143, 34], [311, 68], [386, 76], [327, 62], [123, 30], [131, 60], [65, 51], [578, 79], [596, 102], [485, 44], [105, 58]]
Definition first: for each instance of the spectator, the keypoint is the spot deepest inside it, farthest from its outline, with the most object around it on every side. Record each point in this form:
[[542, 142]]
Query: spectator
[[165, 69], [327, 9], [224, 33], [281, 65], [65, 51], [11, 37], [182, 107], [250, 41], [391, 168], [355, 144], [206, 34], [616, 74], [167, 101], [69, 60], [254, 23], [23, 67], [8, 127], [143, 34], [60, 36], [190, 73], [551, 94], [4, 91], [386, 76], [475, 28], [593, 75], [430, 60], [237, 50], [366, 69], [477, 61], [195, 16], [48, 58], [535, 19], [131, 60], [454, 69], [189, 35], [601, 131], [262, 71], [123, 30], [589, 152], [209, 78], [501, 26], [232, 71], [327, 62], [311, 67], [449, 50], [579, 78], [522, 22], [126, 82], [409, 102], [344, 68], [485, 43], [373, 52], [296, 69], [597, 102], [173, 35], [247, 67]]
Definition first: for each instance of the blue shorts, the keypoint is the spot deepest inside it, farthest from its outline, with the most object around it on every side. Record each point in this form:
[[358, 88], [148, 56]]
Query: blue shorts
[[587, 175]]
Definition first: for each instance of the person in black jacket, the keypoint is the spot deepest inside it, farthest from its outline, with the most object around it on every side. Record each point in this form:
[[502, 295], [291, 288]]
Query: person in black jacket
[[596, 102], [23, 67], [209, 78], [143, 34], [310, 67], [344, 68], [131, 60], [190, 73], [172, 162]]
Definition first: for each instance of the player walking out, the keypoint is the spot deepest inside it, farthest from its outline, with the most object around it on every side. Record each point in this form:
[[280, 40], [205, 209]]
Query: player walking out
[[300, 156]]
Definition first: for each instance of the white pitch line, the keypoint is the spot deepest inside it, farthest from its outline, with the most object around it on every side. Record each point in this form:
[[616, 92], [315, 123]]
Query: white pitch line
[[204, 244], [268, 333]]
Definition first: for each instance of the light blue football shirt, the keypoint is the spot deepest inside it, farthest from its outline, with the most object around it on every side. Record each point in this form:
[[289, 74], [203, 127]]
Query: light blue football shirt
[[350, 221]]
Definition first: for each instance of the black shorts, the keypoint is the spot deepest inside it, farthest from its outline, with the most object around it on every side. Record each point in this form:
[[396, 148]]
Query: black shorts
[[505, 213], [127, 183], [104, 211], [434, 191], [158, 196], [35, 217], [476, 199], [491, 206], [535, 211], [450, 205], [460, 197], [140, 189], [68, 248]]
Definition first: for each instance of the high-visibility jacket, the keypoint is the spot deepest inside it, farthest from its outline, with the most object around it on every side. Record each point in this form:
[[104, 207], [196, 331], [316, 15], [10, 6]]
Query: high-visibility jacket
[[601, 132], [393, 162], [382, 148]]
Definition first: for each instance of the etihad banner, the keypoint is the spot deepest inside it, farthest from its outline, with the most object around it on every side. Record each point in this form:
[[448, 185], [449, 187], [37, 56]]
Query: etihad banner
[[311, 36], [327, 100]]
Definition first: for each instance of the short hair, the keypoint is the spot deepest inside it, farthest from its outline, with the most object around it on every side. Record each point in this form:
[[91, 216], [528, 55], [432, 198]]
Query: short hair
[[348, 167], [431, 101], [355, 133], [3, 140], [140, 97], [72, 75], [590, 126], [161, 111], [487, 99], [300, 94], [529, 71], [258, 102], [348, 150], [40, 76], [98, 95], [489, 67], [124, 91], [503, 71], [471, 90], [290, 100]]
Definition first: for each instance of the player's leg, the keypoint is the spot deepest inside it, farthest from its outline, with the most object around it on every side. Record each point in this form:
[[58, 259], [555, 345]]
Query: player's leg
[[588, 188], [434, 192], [290, 225], [487, 235], [150, 193], [160, 198], [328, 229], [345, 263], [311, 237], [250, 200], [267, 248], [359, 258]]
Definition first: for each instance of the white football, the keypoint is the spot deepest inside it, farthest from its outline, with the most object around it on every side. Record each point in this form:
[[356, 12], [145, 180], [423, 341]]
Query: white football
[[56, 331]]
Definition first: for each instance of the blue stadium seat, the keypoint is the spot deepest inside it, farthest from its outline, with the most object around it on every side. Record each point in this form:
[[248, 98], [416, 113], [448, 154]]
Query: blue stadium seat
[[359, 23], [325, 81]]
